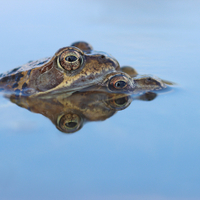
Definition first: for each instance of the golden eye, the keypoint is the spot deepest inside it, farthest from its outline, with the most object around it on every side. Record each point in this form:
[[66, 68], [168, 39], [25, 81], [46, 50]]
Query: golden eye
[[69, 123], [118, 82], [70, 59]]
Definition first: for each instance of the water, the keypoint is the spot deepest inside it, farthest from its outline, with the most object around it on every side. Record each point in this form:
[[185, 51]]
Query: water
[[149, 150]]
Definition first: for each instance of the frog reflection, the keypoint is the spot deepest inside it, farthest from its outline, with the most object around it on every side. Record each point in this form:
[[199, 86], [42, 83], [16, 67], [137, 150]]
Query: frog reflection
[[69, 114]]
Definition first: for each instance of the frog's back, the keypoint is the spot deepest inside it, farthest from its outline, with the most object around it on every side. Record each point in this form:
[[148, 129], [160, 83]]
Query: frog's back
[[16, 79], [26, 67]]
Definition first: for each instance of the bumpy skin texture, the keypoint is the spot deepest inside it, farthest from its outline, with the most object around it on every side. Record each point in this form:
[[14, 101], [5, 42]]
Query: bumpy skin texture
[[75, 68]]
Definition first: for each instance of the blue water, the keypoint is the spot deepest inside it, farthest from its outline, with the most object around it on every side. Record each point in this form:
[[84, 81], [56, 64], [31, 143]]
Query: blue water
[[149, 150]]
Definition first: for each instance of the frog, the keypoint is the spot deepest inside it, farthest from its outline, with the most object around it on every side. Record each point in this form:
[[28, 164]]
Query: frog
[[141, 84], [75, 68], [72, 68]]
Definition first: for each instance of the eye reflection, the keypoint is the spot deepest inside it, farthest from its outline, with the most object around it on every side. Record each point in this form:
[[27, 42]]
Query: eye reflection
[[119, 103], [69, 122]]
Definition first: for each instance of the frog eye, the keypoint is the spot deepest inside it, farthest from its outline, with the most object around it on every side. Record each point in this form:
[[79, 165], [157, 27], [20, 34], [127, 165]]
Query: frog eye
[[70, 60], [118, 82], [69, 123]]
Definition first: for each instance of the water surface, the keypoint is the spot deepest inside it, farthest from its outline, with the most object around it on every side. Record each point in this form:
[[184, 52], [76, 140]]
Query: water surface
[[149, 150]]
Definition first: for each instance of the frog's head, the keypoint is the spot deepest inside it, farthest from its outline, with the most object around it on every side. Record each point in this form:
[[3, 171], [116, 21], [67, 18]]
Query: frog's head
[[148, 83], [72, 69]]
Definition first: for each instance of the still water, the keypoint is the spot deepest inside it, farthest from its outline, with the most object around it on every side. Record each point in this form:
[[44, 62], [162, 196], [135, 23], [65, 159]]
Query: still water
[[151, 149]]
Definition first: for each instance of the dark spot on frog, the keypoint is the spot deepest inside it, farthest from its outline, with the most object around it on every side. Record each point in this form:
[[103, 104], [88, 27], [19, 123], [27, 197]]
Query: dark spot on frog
[[7, 79], [15, 85], [24, 86], [17, 93], [28, 73], [18, 76]]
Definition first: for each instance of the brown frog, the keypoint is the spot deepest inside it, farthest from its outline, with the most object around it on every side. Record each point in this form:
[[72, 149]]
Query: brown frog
[[75, 68], [70, 69]]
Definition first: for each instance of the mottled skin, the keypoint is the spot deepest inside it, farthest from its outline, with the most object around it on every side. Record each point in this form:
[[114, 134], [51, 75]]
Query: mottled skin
[[71, 113], [75, 68]]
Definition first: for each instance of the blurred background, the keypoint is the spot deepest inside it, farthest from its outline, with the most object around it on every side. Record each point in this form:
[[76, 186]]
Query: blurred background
[[148, 151]]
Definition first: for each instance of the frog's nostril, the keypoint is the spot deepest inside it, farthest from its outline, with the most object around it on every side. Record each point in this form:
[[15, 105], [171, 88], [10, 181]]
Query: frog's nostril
[[102, 56]]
